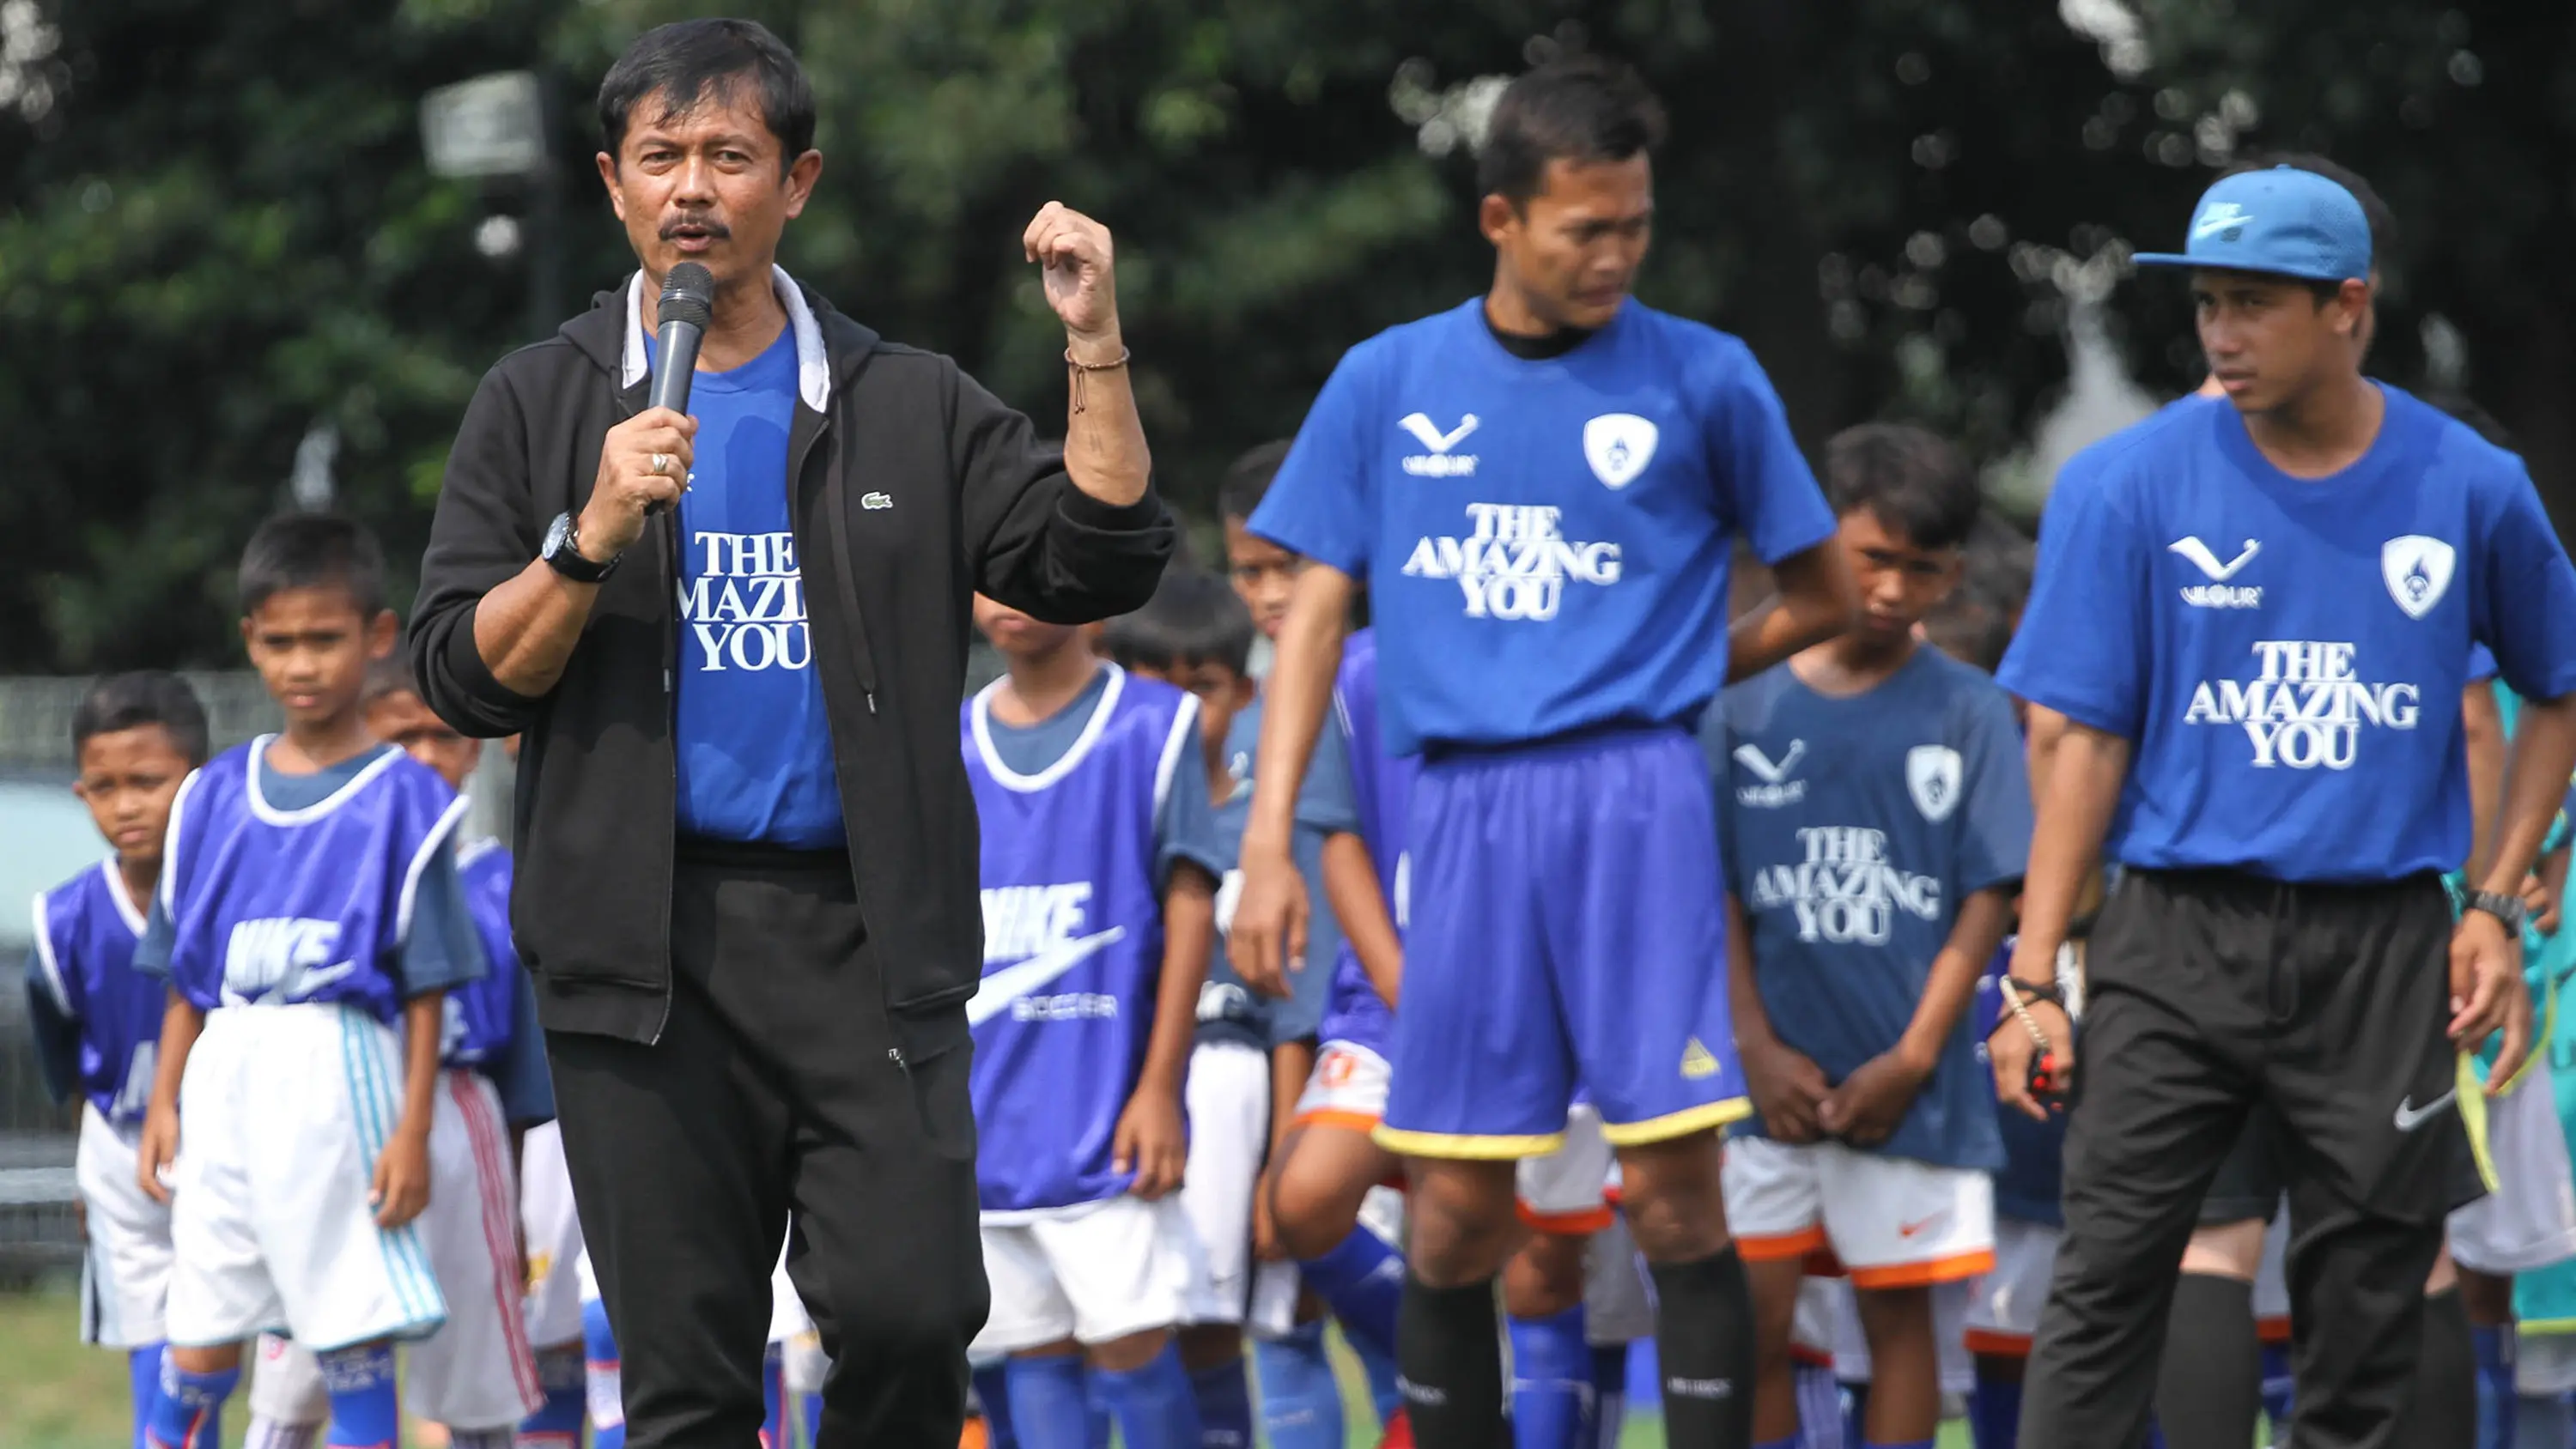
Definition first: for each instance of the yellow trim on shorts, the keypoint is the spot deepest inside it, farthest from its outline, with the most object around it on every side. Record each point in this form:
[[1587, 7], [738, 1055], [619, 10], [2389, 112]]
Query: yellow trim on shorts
[[1677, 1124], [1465, 1146]]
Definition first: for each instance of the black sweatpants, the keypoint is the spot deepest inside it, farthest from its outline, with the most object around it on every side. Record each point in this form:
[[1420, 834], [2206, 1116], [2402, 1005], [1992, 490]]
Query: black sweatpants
[[2206, 993], [775, 1088]]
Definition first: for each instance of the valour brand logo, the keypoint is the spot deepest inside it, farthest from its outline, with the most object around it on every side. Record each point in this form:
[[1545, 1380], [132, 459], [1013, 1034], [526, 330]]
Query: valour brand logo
[[1439, 462], [1770, 788], [2217, 593]]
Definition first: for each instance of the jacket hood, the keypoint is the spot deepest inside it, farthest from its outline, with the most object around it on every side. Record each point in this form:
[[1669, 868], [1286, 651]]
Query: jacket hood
[[829, 346]]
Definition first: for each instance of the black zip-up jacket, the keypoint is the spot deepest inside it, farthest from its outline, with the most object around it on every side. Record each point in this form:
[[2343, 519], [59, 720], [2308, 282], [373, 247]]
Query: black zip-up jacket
[[914, 488]]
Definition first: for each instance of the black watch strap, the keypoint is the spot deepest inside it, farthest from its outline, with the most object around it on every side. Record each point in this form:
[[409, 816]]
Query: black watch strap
[[2502, 905], [562, 553]]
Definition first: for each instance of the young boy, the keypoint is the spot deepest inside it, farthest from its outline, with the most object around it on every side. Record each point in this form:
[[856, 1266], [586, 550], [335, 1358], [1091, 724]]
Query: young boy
[[1876, 815], [476, 1375], [1099, 879], [309, 874], [97, 1020]]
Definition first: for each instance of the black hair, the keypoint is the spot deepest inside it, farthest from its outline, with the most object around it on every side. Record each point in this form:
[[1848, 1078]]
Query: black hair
[[1582, 108], [1194, 617], [1247, 479], [303, 550], [2383, 222], [2479, 420], [1915, 482], [686, 60], [387, 676], [144, 697]]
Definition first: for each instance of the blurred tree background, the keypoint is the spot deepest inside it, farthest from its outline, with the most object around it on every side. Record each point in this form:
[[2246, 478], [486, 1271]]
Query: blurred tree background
[[221, 247]]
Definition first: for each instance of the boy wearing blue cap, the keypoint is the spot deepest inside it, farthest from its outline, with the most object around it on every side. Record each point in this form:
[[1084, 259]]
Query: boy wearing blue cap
[[2253, 612]]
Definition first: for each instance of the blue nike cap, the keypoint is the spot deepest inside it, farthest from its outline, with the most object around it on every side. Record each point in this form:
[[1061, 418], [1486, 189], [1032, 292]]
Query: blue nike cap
[[2285, 222]]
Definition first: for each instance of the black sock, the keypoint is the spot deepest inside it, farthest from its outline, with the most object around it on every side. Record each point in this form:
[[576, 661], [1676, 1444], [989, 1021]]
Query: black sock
[[1449, 1360], [2210, 1389], [2445, 1410], [1704, 1346]]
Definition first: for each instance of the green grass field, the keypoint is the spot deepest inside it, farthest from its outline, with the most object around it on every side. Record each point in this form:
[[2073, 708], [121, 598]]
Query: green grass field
[[57, 1394]]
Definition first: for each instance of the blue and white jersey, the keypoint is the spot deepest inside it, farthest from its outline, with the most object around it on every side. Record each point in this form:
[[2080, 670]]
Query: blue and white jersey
[[1381, 796], [1073, 941], [1323, 809], [2286, 655], [2029, 1185], [1852, 829], [271, 906], [1229, 1011], [82, 976], [1545, 542], [482, 1015]]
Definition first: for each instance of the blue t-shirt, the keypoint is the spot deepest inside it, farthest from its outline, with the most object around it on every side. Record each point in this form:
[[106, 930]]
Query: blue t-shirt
[[97, 1020], [754, 747], [1323, 807], [2030, 1185], [2286, 656], [1853, 829], [492, 1023], [1545, 542]]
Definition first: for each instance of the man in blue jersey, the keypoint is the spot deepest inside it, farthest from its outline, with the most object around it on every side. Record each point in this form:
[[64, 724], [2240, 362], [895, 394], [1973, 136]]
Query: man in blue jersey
[[97, 1020], [2255, 613], [1541, 488]]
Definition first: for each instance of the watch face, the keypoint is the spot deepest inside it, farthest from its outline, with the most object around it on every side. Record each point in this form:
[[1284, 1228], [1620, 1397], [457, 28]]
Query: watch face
[[558, 535]]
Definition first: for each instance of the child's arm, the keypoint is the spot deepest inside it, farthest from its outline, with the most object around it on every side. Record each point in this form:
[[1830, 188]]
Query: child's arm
[[181, 1022], [1873, 1101], [1151, 1139], [1787, 1088], [1350, 885], [401, 1187]]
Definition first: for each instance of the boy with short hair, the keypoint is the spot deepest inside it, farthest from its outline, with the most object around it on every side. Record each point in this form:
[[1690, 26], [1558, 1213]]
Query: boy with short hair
[[97, 1020], [1099, 885], [476, 1376], [310, 874], [1876, 815]]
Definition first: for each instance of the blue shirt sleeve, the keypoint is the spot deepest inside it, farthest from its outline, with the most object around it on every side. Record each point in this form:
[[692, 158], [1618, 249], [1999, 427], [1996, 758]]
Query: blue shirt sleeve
[[152, 953], [1995, 808], [2525, 607], [57, 1036], [1325, 801], [2482, 663], [2082, 646], [1318, 504], [1185, 827], [446, 948], [1765, 489], [519, 1074]]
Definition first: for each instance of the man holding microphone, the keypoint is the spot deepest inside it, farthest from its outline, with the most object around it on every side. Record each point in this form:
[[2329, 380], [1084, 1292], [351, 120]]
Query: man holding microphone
[[735, 642]]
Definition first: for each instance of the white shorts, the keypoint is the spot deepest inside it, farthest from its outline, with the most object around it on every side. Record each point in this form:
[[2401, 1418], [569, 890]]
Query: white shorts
[[1228, 1097], [125, 1271], [1092, 1274], [1346, 1089], [2529, 1221], [1567, 1191], [286, 1385], [1617, 1305], [1949, 1332], [2272, 1280], [2544, 1364], [2004, 1301], [286, 1109], [1891, 1221], [476, 1372], [1811, 1327], [546, 1215]]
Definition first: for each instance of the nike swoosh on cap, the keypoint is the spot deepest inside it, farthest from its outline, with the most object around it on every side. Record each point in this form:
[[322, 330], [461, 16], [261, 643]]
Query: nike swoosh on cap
[[1009, 984]]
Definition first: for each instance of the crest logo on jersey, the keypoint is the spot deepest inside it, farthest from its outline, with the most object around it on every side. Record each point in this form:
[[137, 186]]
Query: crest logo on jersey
[[2417, 571], [1619, 446], [1771, 786], [1439, 462], [1932, 778]]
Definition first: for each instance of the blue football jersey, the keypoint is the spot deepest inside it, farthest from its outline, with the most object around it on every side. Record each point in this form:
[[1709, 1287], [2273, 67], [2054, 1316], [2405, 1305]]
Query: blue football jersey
[[1381, 794], [1853, 829], [1073, 941], [2028, 1185], [1545, 542], [481, 1014], [86, 930], [309, 905], [2286, 655]]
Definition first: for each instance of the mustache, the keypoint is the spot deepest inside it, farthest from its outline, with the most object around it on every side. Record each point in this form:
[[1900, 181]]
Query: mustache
[[708, 224]]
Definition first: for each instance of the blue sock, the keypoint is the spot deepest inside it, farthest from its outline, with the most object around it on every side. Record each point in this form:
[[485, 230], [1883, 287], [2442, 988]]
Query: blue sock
[[1820, 1406], [1363, 1280], [814, 1420], [1301, 1405], [2496, 1414], [773, 1398], [1855, 1411], [1994, 1411], [1609, 1415], [1154, 1405], [1224, 1395], [188, 1409], [557, 1422], [1384, 1389], [606, 1388], [143, 1383], [2278, 1383], [993, 1392], [364, 1414], [1551, 1380], [1050, 1406]]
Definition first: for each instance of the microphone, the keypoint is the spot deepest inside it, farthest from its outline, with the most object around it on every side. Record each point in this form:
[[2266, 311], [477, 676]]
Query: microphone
[[688, 301]]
